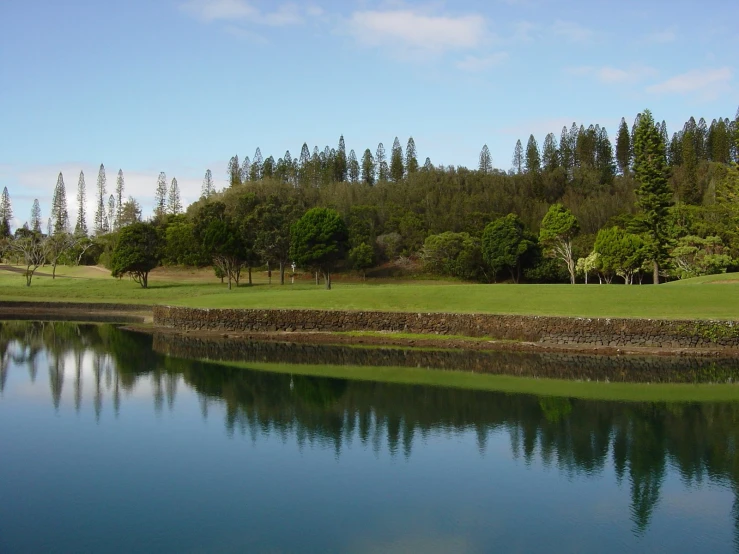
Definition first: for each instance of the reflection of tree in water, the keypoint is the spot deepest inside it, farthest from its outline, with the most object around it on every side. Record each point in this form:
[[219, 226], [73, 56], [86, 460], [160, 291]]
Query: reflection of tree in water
[[577, 437]]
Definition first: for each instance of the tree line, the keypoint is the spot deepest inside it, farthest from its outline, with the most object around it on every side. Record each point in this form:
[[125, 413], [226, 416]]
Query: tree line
[[646, 208]]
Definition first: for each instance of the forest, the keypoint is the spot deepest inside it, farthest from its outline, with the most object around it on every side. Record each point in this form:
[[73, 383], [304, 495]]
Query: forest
[[643, 207]]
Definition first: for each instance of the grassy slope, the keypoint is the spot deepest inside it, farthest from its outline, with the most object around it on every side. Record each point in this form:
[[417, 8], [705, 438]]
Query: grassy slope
[[626, 392], [677, 300]]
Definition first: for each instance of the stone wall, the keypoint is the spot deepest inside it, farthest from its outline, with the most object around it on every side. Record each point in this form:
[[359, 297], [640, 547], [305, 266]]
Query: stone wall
[[556, 330]]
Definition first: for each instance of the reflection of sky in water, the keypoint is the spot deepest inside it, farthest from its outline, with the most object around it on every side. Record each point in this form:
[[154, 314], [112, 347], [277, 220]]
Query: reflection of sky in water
[[162, 474]]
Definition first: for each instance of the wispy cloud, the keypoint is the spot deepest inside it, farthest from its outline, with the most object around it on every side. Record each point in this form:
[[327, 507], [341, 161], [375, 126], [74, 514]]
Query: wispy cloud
[[707, 83], [241, 10], [663, 36], [476, 64], [614, 75], [416, 31], [574, 32]]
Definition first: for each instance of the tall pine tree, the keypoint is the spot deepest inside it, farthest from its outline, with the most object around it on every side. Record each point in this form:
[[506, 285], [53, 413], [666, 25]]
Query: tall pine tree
[[381, 161], [257, 165], [234, 172], [533, 159], [623, 147], [397, 171], [517, 160], [6, 213], [100, 201], [550, 154], [208, 189], [368, 168], [36, 217], [120, 185], [174, 204], [160, 196], [411, 157], [653, 195], [486, 161], [354, 171], [59, 211], [111, 213], [340, 162], [81, 226]]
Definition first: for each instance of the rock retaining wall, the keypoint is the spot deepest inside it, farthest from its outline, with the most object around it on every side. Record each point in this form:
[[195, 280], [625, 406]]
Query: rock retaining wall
[[555, 330]]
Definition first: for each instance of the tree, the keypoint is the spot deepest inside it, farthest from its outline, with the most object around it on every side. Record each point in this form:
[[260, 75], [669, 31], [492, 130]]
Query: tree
[[319, 240], [29, 246], [505, 244], [558, 228], [550, 154], [340, 162], [695, 256], [234, 172], [518, 157], [81, 227], [380, 160], [100, 218], [245, 170], [411, 159], [354, 170], [257, 163], [566, 155], [6, 213], [427, 165], [396, 162], [486, 161], [36, 217], [273, 220], [689, 189], [130, 213], [160, 196], [454, 254], [619, 252], [59, 213], [111, 213], [362, 257], [208, 189], [533, 159], [174, 204], [55, 247], [368, 168], [623, 147], [137, 251], [653, 194], [120, 185]]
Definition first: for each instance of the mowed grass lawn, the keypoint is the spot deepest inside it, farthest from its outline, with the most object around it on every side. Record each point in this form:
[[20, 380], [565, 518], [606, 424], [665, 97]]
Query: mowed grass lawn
[[715, 297]]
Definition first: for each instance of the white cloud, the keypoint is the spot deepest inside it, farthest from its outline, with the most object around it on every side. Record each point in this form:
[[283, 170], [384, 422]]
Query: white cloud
[[707, 83], [574, 32], [418, 31], [241, 10], [613, 75], [663, 37], [482, 63]]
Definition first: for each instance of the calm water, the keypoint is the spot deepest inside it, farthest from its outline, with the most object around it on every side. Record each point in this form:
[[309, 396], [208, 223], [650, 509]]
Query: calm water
[[109, 445]]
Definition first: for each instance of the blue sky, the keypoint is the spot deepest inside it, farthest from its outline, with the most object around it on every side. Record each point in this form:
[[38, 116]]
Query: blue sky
[[181, 85]]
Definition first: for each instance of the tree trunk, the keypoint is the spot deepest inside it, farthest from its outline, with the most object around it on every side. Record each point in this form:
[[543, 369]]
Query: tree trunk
[[29, 276], [250, 283], [53, 271], [318, 282], [656, 272], [282, 273], [269, 274], [327, 277], [229, 280], [145, 280]]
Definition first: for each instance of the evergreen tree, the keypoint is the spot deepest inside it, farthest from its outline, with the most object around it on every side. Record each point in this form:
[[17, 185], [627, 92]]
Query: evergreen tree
[[256, 166], [354, 170], [397, 171], [518, 157], [268, 168], [411, 160], [550, 154], [566, 156], [486, 161], [36, 217], [304, 156], [245, 169], [120, 185], [234, 172], [623, 147], [101, 195], [6, 213], [81, 227], [174, 204], [533, 159], [653, 195], [59, 212], [208, 189], [689, 190], [573, 137], [368, 168], [604, 156], [675, 152], [663, 134], [427, 165], [111, 213], [160, 196], [340, 162], [381, 162], [700, 140]]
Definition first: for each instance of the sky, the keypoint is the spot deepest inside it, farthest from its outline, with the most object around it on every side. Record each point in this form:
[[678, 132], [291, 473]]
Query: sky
[[180, 86]]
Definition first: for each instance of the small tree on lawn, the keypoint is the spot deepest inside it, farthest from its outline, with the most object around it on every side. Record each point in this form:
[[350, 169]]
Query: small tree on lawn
[[319, 241], [362, 257], [136, 252], [56, 246], [558, 228], [30, 247], [504, 245]]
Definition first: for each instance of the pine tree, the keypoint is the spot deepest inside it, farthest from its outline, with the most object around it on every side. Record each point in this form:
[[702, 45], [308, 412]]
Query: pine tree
[[623, 147], [700, 140], [59, 212], [233, 170], [411, 160], [397, 171], [354, 171], [208, 187], [256, 166], [101, 195], [533, 159], [604, 156], [245, 169], [111, 213], [340, 162], [486, 161], [381, 162], [6, 213], [368, 168], [675, 152], [160, 196], [689, 188], [36, 217], [120, 185], [566, 156], [518, 157], [174, 204], [427, 165], [81, 227], [304, 156], [653, 195], [549, 153], [572, 139]]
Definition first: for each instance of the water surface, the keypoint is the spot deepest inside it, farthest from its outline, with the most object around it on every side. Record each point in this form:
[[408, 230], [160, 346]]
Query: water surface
[[108, 444]]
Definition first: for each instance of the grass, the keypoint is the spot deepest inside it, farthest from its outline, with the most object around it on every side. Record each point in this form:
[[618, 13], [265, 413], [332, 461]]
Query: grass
[[622, 392], [198, 288]]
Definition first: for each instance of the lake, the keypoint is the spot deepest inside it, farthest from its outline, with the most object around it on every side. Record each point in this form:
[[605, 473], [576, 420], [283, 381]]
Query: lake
[[112, 441]]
